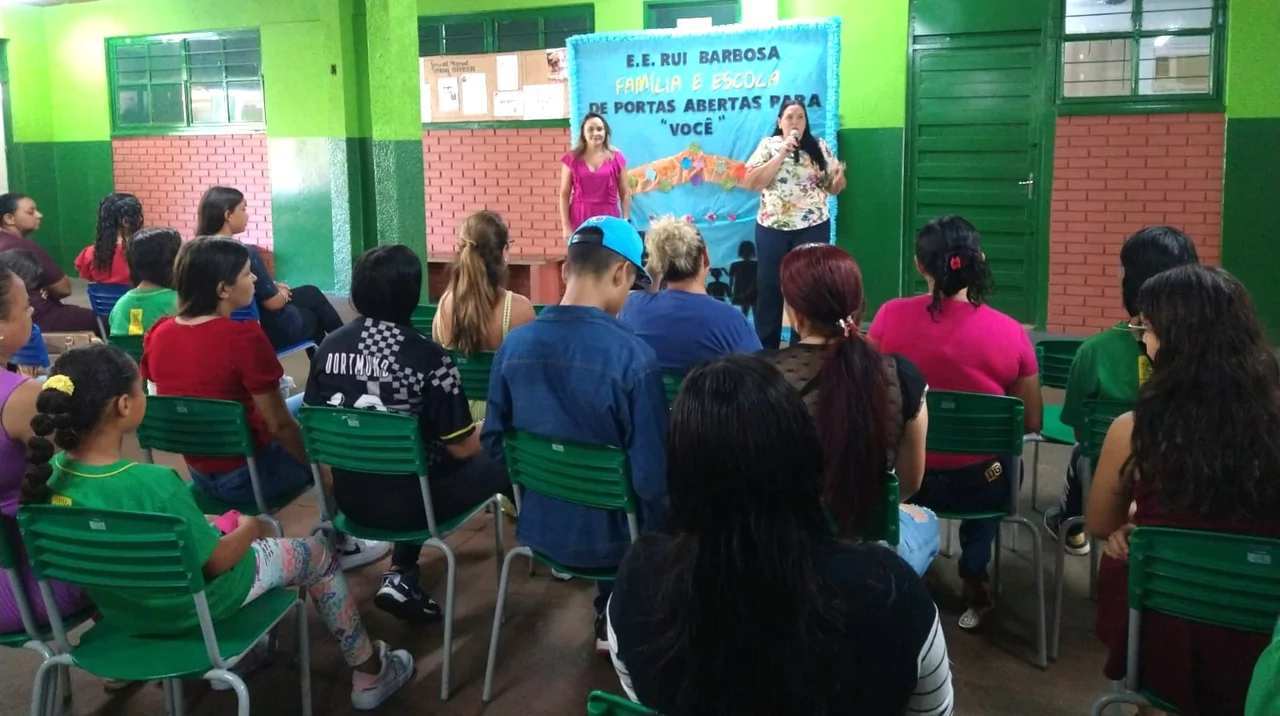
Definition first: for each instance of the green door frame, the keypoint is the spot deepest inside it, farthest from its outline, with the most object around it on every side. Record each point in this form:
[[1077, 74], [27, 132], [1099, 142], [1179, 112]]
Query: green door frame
[[1045, 119], [651, 5]]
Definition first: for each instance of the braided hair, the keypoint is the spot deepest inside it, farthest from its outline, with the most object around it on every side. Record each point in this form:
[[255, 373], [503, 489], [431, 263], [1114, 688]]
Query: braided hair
[[81, 384], [119, 216], [949, 250]]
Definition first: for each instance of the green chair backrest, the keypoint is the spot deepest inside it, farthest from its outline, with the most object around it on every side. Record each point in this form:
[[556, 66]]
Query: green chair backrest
[[129, 344], [474, 370], [422, 317], [671, 384], [974, 424], [196, 426], [1224, 580], [1055, 356], [883, 523], [365, 441], [600, 703], [8, 554], [537, 308], [1098, 417], [589, 475]]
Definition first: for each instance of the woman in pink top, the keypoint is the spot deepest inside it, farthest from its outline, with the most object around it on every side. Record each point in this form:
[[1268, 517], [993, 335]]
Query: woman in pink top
[[961, 344], [593, 180]]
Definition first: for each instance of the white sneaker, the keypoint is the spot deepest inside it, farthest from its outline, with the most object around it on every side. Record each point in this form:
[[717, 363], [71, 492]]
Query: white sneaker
[[353, 553], [257, 657], [368, 691]]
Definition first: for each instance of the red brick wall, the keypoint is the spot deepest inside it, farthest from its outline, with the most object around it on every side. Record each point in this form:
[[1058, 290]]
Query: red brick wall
[[515, 172], [169, 174], [1113, 176]]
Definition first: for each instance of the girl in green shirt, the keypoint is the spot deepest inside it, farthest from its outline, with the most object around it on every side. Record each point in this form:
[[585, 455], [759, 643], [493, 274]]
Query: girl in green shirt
[[94, 397], [151, 253]]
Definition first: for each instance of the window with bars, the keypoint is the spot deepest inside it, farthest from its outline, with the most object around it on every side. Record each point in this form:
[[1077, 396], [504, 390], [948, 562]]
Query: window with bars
[[173, 83], [669, 14], [1142, 51], [540, 29]]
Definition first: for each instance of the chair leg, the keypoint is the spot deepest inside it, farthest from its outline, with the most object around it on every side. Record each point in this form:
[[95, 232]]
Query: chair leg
[[1124, 697], [1059, 581], [1035, 474], [450, 581], [1037, 560], [497, 533], [304, 657], [230, 678], [945, 525], [180, 700], [41, 686], [274, 523], [487, 694]]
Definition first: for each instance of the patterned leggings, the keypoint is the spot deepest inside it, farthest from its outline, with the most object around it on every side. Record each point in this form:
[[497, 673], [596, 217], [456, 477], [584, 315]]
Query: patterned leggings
[[309, 563]]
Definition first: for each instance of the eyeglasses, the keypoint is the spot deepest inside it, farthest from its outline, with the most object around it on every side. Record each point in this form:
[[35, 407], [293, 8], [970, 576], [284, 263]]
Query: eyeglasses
[[1137, 330]]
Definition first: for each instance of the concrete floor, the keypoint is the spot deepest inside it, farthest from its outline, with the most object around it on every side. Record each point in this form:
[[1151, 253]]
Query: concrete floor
[[547, 664]]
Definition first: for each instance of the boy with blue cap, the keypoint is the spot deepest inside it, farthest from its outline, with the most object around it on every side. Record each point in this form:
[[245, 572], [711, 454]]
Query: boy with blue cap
[[577, 373]]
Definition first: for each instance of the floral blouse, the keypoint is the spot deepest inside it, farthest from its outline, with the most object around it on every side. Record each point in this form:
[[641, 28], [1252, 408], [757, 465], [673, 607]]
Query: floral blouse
[[797, 198]]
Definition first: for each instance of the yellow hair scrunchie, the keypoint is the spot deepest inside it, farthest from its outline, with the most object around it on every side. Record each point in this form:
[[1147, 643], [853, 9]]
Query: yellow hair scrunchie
[[60, 383]]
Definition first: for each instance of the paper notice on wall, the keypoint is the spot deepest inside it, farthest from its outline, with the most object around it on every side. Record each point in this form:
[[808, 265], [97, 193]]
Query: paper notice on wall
[[448, 101], [544, 101], [475, 97], [425, 101], [508, 73], [508, 104], [694, 23]]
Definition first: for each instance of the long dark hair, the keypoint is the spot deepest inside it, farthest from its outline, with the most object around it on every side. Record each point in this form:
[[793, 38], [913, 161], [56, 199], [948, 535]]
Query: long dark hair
[[808, 143], [100, 373], [119, 216], [476, 279], [202, 265], [1206, 428], [751, 629], [214, 205], [823, 284], [950, 250], [580, 145]]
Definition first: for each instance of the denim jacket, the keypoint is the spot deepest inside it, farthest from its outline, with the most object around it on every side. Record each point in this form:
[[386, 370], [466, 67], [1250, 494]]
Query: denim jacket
[[579, 374]]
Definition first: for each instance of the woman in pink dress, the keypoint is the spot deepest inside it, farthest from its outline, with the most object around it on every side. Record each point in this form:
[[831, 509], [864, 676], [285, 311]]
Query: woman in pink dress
[[593, 181]]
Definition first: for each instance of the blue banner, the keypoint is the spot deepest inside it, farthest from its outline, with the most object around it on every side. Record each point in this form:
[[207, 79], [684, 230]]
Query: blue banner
[[687, 109]]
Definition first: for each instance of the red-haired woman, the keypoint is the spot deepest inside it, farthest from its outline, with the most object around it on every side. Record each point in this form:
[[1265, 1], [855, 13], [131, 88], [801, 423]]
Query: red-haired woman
[[851, 388]]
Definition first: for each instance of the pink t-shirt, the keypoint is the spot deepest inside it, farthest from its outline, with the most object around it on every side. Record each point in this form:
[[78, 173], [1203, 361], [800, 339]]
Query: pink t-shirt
[[975, 350], [595, 193]]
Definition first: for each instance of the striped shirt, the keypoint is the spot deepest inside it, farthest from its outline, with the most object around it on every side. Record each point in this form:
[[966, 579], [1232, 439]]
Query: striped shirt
[[894, 651]]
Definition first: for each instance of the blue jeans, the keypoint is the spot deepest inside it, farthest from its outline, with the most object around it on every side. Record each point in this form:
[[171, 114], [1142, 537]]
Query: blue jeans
[[278, 471], [983, 487], [918, 536]]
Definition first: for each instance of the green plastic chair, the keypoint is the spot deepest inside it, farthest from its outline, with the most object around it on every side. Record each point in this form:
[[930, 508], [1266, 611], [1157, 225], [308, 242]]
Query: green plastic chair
[[31, 637], [600, 703], [671, 384], [537, 308], [1224, 580], [155, 554], [1055, 356], [594, 476], [422, 318], [378, 443], [209, 428], [1098, 416], [976, 424], [129, 344], [474, 370]]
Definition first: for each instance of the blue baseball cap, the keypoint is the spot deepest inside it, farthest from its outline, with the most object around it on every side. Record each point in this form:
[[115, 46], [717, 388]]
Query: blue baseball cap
[[619, 237]]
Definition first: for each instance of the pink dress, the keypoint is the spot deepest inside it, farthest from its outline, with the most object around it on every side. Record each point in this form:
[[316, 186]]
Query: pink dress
[[595, 193], [13, 464]]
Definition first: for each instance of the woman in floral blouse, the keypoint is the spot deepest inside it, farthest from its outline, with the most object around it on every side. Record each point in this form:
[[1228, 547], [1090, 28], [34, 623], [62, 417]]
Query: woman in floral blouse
[[794, 175]]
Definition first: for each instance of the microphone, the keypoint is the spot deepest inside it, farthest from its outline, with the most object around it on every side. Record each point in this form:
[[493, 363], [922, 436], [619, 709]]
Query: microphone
[[795, 134]]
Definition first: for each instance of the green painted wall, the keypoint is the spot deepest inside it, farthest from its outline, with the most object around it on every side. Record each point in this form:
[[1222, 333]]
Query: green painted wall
[[611, 15], [1251, 180]]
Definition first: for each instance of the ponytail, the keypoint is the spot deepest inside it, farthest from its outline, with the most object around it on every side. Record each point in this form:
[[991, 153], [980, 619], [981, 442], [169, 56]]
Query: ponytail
[[476, 280], [853, 423], [53, 417], [949, 249]]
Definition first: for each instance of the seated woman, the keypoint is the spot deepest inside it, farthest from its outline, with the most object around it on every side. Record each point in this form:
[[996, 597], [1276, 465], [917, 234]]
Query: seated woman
[[961, 344], [151, 254], [379, 362], [1200, 451], [119, 218], [94, 399], [18, 220], [17, 407], [850, 388], [477, 311], [682, 324], [202, 353], [750, 605], [289, 315]]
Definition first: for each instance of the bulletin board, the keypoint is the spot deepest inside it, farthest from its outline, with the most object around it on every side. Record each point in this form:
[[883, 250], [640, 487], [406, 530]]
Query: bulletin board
[[502, 86]]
